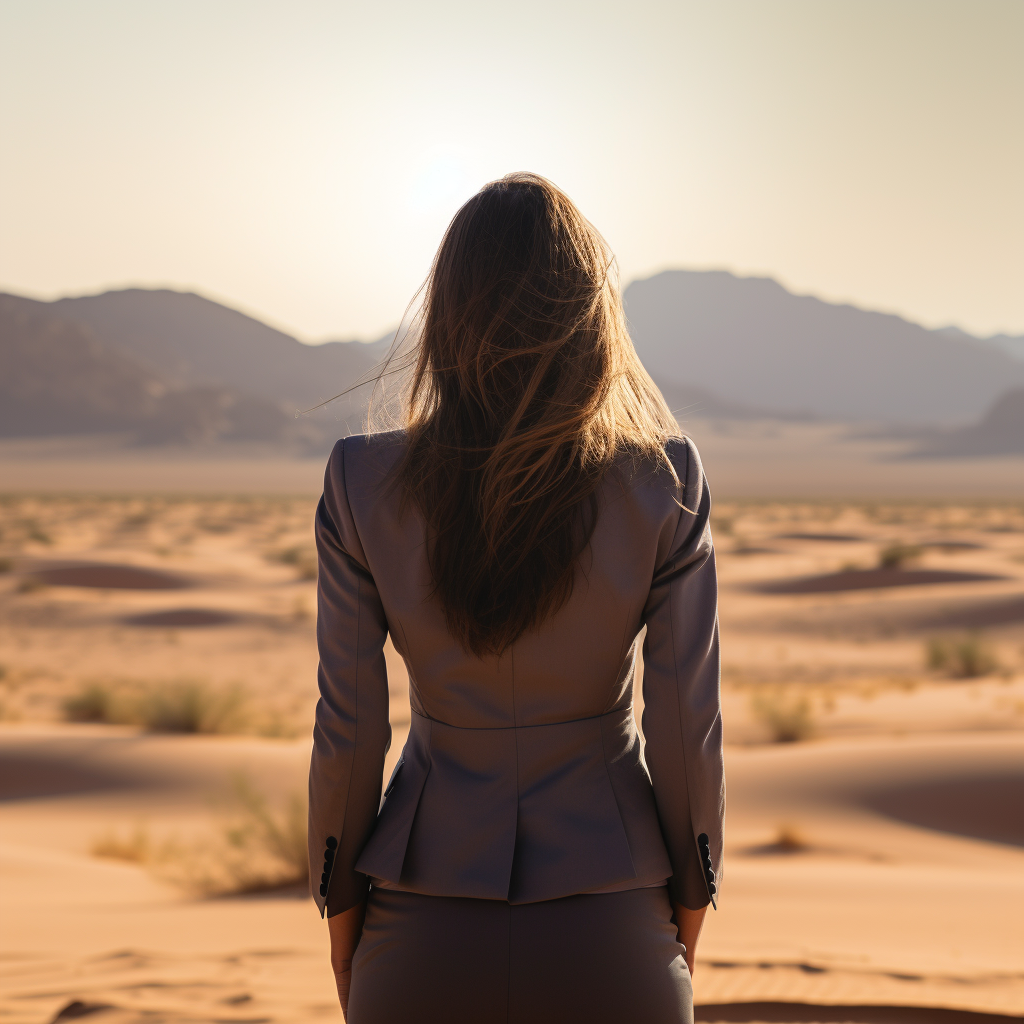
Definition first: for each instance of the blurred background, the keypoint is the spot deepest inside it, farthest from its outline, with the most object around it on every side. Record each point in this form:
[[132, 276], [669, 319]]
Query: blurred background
[[213, 218]]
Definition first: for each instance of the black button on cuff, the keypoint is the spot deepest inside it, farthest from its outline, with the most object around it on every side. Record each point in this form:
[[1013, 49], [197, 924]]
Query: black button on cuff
[[331, 842], [323, 878], [323, 890]]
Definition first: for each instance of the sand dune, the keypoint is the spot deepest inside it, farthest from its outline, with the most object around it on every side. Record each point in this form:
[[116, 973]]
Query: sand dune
[[989, 806], [97, 576], [871, 579], [870, 910], [873, 872], [177, 618]]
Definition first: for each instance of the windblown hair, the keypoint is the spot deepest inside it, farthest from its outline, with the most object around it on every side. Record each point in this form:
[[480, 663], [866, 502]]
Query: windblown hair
[[526, 387]]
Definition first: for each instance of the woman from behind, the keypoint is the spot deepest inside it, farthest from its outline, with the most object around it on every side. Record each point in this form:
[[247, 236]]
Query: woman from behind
[[538, 510]]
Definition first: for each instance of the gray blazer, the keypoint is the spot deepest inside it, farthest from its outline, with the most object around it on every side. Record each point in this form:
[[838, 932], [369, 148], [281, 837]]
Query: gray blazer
[[522, 777]]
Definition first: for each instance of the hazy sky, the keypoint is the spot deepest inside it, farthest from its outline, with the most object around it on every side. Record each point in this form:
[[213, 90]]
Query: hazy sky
[[300, 160]]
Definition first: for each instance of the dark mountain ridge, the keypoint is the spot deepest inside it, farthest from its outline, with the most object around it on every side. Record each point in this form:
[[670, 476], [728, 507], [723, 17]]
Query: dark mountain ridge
[[59, 378], [752, 342], [999, 432], [191, 340], [173, 367]]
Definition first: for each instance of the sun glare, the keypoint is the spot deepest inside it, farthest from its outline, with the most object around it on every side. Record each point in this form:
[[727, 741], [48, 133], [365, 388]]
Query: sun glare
[[442, 179]]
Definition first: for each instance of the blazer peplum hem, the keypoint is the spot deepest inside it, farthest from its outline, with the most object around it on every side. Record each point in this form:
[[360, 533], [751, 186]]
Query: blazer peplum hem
[[457, 822]]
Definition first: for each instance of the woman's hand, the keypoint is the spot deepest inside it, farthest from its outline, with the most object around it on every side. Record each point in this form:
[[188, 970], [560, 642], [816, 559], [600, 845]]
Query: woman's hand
[[689, 922], [345, 929]]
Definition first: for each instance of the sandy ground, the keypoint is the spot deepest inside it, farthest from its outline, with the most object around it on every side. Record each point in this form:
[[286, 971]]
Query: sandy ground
[[875, 868], [871, 909]]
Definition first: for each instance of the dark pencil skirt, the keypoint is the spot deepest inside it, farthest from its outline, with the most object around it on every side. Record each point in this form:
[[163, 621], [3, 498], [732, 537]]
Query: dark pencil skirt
[[605, 958]]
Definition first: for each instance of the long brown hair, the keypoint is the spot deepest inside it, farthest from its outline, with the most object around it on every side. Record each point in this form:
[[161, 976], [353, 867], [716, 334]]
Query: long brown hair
[[526, 387]]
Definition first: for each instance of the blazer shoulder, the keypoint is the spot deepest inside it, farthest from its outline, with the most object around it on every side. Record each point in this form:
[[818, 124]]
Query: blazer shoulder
[[360, 459], [372, 452], [674, 481], [685, 459]]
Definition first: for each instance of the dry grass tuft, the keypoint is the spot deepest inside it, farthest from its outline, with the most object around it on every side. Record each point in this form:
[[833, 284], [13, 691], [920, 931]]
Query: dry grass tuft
[[258, 848], [897, 555], [270, 845], [789, 839], [788, 717], [95, 702], [180, 705], [964, 657], [302, 558], [191, 706], [135, 848]]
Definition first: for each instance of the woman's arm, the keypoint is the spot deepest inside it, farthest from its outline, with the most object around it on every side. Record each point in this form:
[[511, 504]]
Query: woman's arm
[[682, 720], [689, 922], [351, 733], [345, 929]]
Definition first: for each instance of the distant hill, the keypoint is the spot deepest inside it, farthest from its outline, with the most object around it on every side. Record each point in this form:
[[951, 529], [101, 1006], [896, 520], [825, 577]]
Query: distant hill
[[999, 432], [57, 377], [750, 341], [162, 366], [1012, 343], [190, 340]]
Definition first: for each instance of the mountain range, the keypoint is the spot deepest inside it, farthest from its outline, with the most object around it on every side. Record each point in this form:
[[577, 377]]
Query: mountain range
[[752, 342], [164, 367], [167, 367]]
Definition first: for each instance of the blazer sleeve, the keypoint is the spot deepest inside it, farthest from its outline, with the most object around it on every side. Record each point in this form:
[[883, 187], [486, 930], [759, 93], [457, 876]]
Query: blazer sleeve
[[682, 717], [352, 734]]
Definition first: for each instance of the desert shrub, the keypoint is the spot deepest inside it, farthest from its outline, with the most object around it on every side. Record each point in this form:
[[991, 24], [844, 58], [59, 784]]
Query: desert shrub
[[190, 706], [302, 558], [965, 657], [788, 839], [94, 702], [259, 848], [33, 531], [135, 848], [281, 834], [895, 556], [175, 705], [788, 717]]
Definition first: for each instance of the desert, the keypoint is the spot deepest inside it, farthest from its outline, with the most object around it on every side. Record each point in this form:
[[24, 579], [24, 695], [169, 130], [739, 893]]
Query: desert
[[158, 676], [232, 234]]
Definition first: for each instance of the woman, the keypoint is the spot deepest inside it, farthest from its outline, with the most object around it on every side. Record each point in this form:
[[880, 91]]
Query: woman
[[539, 509]]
